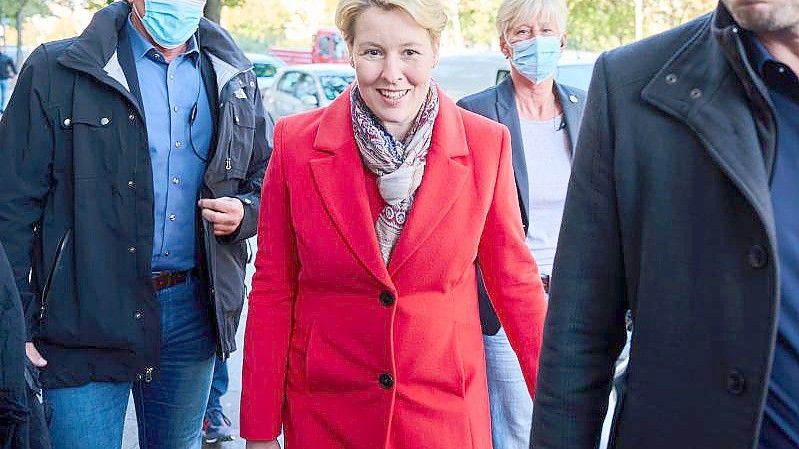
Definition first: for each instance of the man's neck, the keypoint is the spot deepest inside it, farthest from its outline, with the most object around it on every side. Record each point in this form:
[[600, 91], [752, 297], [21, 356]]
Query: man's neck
[[783, 46], [169, 53]]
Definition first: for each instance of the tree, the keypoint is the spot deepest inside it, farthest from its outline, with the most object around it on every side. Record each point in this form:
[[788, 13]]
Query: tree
[[213, 8], [19, 10]]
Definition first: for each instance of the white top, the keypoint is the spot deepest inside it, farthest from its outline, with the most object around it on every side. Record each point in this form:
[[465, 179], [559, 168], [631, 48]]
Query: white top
[[547, 154]]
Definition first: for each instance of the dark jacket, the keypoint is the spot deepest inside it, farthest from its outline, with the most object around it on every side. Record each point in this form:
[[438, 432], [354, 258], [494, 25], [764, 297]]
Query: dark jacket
[[22, 424], [74, 143], [499, 104], [668, 214]]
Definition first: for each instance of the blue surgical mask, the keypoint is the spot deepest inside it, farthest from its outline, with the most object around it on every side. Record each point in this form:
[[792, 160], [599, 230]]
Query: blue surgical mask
[[537, 58], [171, 22]]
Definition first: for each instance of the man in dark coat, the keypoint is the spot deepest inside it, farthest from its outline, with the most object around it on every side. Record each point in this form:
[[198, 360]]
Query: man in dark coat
[[682, 207], [133, 157]]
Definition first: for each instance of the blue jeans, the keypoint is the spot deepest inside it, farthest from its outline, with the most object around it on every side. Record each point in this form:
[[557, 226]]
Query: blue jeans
[[169, 410], [219, 385], [509, 401]]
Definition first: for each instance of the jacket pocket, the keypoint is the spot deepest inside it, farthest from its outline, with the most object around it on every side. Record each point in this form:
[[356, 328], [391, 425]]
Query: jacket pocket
[[95, 141]]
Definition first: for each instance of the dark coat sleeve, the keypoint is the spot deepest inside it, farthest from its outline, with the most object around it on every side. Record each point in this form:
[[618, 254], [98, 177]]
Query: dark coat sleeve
[[27, 152], [584, 330]]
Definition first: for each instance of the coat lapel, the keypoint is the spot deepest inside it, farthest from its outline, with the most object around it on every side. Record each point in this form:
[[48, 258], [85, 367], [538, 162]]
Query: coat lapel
[[444, 176], [572, 105], [509, 116], [339, 176], [705, 94]]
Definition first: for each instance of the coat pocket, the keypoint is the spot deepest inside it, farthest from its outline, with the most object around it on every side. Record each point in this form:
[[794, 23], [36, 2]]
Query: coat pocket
[[95, 140]]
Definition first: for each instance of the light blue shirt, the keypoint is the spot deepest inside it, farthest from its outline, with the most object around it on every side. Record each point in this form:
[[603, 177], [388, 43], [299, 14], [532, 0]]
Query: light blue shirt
[[178, 146]]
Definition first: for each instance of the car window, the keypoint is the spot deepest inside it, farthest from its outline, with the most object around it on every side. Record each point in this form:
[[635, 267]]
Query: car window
[[264, 70], [334, 85], [288, 83], [305, 86], [502, 74]]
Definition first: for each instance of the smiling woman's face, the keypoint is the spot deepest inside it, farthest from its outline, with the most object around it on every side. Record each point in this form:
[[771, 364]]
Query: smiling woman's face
[[394, 59]]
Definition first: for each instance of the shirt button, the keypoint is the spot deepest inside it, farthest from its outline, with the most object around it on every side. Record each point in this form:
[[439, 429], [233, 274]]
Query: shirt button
[[172, 217], [736, 382], [131, 184], [757, 257], [175, 180], [175, 109], [387, 299], [167, 253], [178, 144], [132, 249], [172, 76], [386, 381]]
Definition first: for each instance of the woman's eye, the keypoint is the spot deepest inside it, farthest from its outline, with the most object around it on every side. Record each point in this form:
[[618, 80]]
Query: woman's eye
[[411, 52]]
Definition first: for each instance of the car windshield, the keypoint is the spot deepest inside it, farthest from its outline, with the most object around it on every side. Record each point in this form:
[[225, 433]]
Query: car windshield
[[263, 70], [333, 85]]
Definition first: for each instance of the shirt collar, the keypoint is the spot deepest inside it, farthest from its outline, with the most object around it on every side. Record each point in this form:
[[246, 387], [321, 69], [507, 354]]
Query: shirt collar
[[142, 47], [758, 54]]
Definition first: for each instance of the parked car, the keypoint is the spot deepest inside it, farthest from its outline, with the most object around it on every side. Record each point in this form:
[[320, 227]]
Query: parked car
[[464, 74], [265, 68], [302, 87]]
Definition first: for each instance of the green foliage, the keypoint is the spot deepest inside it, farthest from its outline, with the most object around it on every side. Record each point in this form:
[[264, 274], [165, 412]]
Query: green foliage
[[600, 24]]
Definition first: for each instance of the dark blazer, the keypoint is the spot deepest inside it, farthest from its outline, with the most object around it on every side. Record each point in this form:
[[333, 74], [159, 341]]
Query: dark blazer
[[499, 104], [668, 214]]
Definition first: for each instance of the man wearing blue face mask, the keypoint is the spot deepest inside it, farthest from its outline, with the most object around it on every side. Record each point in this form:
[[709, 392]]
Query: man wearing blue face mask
[[134, 158]]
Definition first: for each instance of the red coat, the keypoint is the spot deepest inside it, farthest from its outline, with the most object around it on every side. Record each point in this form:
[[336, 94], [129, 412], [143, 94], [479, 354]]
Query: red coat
[[346, 353]]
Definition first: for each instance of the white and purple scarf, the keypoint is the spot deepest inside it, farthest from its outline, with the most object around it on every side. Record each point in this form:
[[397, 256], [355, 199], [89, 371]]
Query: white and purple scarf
[[399, 165]]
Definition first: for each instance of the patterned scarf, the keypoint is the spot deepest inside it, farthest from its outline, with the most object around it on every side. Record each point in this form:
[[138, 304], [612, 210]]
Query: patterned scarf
[[399, 166]]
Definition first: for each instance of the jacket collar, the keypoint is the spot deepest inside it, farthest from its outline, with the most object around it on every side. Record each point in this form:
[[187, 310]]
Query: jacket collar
[[339, 175], [95, 51], [709, 85]]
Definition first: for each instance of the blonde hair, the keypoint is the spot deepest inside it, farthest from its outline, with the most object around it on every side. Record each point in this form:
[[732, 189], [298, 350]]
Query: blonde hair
[[514, 12], [429, 14]]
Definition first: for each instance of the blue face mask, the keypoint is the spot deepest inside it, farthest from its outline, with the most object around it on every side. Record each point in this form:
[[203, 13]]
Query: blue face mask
[[171, 22], [537, 58]]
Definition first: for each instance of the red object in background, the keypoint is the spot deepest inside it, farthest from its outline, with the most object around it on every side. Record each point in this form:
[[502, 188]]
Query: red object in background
[[327, 45]]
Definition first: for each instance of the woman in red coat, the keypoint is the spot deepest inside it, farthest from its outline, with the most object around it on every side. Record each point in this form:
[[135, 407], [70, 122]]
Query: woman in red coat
[[363, 328]]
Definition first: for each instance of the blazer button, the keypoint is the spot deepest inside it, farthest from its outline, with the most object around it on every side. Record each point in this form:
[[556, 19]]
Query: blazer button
[[386, 381], [387, 299], [736, 383], [758, 258]]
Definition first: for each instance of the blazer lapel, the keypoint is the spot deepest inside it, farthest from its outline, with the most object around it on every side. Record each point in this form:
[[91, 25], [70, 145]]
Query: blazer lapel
[[444, 176], [572, 112], [339, 176], [707, 96], [509, 116]]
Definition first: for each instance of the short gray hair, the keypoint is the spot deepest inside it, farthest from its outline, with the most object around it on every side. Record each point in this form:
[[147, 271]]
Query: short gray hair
[[513, 12]]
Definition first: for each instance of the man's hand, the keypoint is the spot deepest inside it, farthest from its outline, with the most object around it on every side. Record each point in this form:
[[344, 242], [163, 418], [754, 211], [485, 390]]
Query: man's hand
[[34, 356], [263, 444], [224, 213]]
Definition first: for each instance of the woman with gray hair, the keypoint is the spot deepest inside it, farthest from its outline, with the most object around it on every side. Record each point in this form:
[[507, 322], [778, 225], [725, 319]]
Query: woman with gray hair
[[543, 118], [363, 328]]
